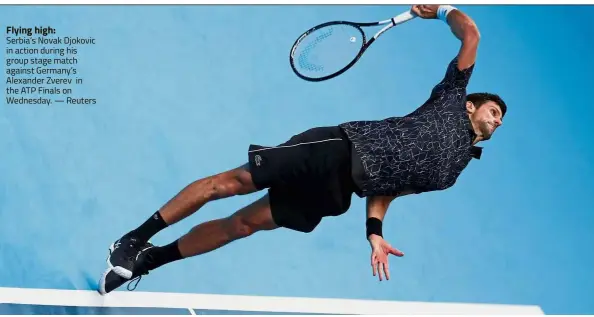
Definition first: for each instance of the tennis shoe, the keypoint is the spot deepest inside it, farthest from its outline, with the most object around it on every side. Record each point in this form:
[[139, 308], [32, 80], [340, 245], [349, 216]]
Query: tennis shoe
[[123, 255], [111, 280]]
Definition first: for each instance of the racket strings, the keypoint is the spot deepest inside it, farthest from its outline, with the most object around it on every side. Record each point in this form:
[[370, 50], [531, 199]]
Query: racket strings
[[304, 58], [328, 50]]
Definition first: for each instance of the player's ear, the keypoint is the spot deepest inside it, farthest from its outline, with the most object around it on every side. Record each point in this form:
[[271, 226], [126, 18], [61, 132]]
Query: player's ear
[[470, 108]]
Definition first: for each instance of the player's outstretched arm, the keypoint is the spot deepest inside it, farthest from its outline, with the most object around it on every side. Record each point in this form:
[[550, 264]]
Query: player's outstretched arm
[[461, 25], [377, 207]]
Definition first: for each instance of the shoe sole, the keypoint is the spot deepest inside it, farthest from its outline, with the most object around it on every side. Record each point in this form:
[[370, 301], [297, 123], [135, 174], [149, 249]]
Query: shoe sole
[[110, 280], [125, 273], [102, 281]]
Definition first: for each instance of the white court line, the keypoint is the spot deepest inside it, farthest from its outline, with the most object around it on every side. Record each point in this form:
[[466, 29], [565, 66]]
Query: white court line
[[35, 296]]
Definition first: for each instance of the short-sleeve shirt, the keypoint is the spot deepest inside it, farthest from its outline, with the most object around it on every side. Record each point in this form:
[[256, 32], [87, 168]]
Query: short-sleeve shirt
[[423, 151]]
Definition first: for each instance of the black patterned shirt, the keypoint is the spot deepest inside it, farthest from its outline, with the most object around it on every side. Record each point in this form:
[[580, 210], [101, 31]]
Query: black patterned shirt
[[423, 151]]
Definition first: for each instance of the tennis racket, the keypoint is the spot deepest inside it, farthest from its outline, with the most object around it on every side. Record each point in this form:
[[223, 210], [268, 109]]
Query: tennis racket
[[329, 49]]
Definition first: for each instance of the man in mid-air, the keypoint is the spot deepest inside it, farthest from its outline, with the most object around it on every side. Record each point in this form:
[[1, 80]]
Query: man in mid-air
[[314, 174]]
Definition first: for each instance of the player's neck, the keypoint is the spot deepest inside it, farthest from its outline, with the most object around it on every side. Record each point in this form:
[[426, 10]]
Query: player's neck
[[477, 131]]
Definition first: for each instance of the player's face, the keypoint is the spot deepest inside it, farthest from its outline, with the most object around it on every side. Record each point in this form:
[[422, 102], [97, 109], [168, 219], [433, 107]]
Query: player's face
[[487, 118]]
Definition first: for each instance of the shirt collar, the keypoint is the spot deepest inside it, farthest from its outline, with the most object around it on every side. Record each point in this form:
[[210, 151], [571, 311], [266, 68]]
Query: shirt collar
[[476, 152]]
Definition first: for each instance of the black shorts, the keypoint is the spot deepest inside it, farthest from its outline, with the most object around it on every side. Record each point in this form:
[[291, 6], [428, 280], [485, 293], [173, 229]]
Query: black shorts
[[308, 177]]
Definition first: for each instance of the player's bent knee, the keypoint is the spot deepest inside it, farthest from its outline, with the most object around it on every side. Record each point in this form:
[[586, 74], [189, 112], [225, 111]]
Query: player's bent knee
[[231, 183], [240, 227]]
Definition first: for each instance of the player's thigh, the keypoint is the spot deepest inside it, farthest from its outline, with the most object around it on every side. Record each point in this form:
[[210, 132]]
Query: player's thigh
[[295, 208], [236, 181], [307, 157], [303, 207], [254, 217]]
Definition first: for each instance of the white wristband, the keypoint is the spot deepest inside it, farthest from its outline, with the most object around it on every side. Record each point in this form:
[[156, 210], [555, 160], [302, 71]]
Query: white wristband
[[443, 11]]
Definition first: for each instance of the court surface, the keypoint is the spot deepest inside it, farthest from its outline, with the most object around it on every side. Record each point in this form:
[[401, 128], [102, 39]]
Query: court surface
[[182, 91]]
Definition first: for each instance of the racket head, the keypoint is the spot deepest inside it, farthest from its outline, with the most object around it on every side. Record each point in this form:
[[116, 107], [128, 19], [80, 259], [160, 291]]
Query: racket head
[[327, 50]]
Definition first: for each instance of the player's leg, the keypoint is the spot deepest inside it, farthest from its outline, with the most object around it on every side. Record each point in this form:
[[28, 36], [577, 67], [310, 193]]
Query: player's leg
[[201, 239], [304, 159], [308, 178], [237, 181], [214, 234]]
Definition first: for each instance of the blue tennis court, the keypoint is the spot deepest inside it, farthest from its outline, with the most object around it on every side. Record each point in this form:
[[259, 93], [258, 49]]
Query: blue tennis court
[[181, 92]]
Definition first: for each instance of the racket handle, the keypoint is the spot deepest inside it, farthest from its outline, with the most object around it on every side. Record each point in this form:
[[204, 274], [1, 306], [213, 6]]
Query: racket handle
[[403, 17]]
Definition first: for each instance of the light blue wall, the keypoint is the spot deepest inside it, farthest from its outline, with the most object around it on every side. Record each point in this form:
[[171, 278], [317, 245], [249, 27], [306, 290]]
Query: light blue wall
[[183, 91]]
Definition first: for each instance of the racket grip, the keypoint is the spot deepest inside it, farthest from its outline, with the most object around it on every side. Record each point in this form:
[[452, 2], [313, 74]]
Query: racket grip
[[403, 17]]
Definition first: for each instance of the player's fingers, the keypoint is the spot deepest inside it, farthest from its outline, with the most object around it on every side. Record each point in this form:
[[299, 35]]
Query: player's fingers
[[379, 270], [374, 265], [425, 10], [396, 252], [387, 271]]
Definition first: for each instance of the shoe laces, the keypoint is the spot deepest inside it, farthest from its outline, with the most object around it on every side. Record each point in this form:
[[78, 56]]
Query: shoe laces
[[137, 279], [143, 271]]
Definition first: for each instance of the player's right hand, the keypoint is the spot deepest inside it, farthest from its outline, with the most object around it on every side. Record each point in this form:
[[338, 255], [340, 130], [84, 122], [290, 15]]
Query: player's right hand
[[380, 249], [425, 11]]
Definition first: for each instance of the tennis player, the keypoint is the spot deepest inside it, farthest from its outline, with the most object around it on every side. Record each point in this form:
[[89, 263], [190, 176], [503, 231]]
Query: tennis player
[[314, 174]]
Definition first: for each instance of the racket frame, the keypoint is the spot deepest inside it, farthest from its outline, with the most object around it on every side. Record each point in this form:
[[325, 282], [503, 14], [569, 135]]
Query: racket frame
[[390, 23]]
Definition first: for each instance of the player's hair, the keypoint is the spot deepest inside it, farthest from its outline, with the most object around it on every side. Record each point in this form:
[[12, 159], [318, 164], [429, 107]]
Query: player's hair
[[480, 98]]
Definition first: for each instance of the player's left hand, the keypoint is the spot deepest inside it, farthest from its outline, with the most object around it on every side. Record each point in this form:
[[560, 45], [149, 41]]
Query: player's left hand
[[380, 249]]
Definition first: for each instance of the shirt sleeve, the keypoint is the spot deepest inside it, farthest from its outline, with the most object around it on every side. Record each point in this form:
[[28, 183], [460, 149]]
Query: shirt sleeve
[[453, 84], [454, 79]]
